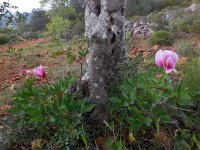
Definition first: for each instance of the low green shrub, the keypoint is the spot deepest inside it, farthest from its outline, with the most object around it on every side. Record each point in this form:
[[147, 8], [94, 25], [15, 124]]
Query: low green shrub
[[188, 50], [161, 38], [13, 37], [196, 25], [48, 112], [159, 19], [177, 26], [3, 39], [191, 76], [30, 35], [58, 27]]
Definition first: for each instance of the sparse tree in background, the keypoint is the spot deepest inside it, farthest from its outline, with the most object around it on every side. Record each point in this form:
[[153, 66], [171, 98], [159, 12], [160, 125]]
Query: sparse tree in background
[[8, 17], [67, 9], [39, 20], [5, 11], [21, 22], [71, 11], [105, 30]]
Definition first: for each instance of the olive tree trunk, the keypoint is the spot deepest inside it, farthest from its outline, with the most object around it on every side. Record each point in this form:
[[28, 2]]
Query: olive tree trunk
[[105, 29]]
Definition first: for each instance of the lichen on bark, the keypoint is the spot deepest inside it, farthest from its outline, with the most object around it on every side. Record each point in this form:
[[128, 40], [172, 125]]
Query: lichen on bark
[[105, 29]]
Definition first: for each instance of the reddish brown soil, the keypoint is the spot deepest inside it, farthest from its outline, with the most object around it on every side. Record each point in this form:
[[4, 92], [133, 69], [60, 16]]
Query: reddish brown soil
[[25, 44], [11, 75], [9, 66]]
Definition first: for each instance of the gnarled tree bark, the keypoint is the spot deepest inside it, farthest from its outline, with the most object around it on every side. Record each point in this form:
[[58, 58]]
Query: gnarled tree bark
[[105, 30]]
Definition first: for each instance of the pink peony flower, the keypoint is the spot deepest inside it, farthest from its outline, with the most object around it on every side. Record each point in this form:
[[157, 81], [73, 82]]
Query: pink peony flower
[[166, 59], [39, 71]]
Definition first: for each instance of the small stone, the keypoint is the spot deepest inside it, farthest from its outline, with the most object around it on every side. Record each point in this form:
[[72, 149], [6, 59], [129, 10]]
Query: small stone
[[156, 47], [183, 61]]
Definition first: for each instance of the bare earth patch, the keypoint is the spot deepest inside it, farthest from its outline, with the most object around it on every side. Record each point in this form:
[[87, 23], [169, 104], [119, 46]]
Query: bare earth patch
[[25, 44]]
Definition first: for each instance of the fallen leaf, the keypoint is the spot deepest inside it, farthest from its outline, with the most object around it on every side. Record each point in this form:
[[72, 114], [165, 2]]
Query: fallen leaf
[[12, 87], [101, 143], [163, 138], [5, 107], [131, 137]]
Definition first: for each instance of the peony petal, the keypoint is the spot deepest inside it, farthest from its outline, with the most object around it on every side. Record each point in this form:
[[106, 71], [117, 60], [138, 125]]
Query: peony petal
[[159, 58], [29, 71], [40, 72], [169, 63], [168, 70], [175, 57], [166, 54]]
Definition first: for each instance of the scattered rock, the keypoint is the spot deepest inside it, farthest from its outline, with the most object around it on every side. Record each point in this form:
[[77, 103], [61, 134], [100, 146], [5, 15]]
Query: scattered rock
[[169, 15], [21, 39], [156, 47], [139, 29], [193, 8], [183, 61]]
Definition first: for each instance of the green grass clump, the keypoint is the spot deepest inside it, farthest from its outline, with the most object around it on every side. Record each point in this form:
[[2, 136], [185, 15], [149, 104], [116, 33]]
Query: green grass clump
[[161, 38], [192, 74], [196, 25], [188, 50]]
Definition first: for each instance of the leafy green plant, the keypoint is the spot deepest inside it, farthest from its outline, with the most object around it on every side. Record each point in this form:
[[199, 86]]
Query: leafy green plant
[[50, 109], [152, 92], [161, 38], [146, 101], [117, 144], [79, 57], [186, 140]]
